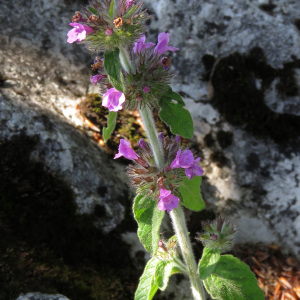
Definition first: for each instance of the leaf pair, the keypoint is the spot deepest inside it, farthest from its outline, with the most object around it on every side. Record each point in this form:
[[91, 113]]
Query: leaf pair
[[156, 275], [149, 219], [227, 278], [174, 115]]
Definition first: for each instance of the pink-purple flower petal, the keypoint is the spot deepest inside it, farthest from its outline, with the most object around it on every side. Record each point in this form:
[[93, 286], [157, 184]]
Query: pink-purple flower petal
[[140, 45], [96, 78], [183, 160], [162, 45], [146, 89], [194, 170], [126, 151], [78, 33], [130, 2], [168, 201], [113, 99]]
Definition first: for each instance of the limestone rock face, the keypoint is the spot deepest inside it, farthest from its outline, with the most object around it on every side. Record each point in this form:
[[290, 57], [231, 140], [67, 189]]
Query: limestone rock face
[[39, 296], [43, 79], [238, 68]]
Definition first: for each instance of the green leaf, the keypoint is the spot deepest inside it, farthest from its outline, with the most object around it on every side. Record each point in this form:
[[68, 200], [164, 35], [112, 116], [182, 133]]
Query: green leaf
[[116, 84], [111, 124], [113, 68], [149, 218], [111, 10], [93, 10], [232, 279], [163, 272], [178, 118], [208, 262], [174, 96], [175, 270], [147, 286], [190, 192]]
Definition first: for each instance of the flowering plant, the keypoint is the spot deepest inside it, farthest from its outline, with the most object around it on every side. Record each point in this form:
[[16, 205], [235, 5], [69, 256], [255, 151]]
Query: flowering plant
[[136, 74]]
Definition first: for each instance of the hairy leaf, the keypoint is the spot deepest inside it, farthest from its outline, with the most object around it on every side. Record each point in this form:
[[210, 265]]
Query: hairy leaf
[[111, 9], [190, 192], [208, 262], [93, 10], [178, 118], [163, 272], [149, 218], [111, 124], [147, 286], [113, 68], [232, 279], [174, 96]]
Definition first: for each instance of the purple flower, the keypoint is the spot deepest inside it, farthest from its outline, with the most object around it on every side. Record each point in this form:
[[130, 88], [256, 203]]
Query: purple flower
[[113, 99], [146, 89], [177, 138], [214, 237], [143, 144], [130, 2], [96, 78], [168, 201], [183, 160], [194, 170], [126, 151], [140, 45], [108, 31], [162, 45], [78, 33], [161, 137]]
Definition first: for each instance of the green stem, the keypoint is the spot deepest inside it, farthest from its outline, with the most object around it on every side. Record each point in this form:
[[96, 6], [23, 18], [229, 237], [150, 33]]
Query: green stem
[[179, 225], [149, 125], [177, 213], [181, 265], [125, 59]]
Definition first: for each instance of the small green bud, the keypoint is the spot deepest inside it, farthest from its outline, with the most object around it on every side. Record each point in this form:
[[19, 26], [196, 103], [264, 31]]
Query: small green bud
[[218, 235]]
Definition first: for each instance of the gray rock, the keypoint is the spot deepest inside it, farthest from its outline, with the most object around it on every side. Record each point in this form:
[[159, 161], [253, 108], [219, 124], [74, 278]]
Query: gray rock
[[259, 186], [39, 296]]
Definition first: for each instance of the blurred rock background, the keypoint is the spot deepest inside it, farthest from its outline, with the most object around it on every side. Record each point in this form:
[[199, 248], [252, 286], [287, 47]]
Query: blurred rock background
[[65, 212]]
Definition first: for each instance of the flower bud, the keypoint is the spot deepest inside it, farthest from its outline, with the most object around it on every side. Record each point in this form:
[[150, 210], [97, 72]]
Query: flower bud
[[218, 234], [144, 145]]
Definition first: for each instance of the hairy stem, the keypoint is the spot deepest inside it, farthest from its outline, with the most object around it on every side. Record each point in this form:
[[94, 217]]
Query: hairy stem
[[177, 213], [179, 225], [149, 125], [181, 265], [125, 59]]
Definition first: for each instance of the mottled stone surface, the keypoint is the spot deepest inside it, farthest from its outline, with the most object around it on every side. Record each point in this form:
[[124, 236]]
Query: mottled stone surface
[[259, 184], [253, 179], [39, 296], [45, 79]]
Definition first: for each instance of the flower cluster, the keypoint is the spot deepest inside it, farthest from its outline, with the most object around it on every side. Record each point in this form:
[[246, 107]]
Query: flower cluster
[[167, 249], [103, 26], [150, 78], [218, 235], [145, 84], [160, 184]]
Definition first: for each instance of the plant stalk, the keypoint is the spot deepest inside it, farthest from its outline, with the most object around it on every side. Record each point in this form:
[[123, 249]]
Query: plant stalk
[[179, 225], [176, 214], [125, 59], [149, 126]]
